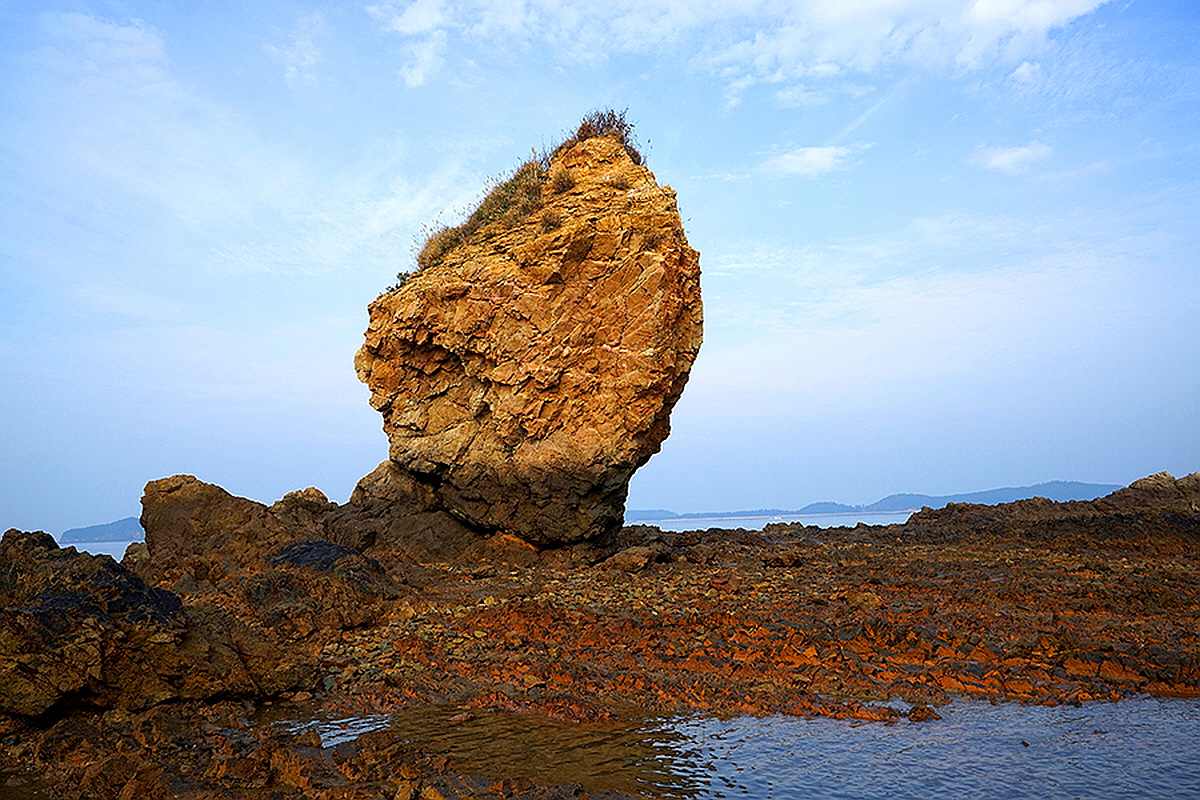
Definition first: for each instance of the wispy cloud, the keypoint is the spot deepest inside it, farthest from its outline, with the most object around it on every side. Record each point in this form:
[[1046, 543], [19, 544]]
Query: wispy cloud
[[885, 312], [1012, 160], [817, 39], [425, 58], [813, 162], [798, 96], [111, 108], [301, 55], [409, 19]]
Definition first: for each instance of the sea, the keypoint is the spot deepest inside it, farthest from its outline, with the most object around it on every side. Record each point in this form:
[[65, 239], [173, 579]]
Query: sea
[[753, 523]]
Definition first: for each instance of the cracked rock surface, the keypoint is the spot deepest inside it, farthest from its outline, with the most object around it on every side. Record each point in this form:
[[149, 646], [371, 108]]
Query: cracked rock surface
[[525, 378]]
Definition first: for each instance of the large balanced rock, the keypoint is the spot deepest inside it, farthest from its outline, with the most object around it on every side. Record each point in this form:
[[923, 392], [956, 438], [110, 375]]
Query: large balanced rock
[[524, 378]]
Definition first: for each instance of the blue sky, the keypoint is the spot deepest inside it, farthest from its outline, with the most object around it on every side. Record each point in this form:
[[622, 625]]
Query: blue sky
[[947, 246]]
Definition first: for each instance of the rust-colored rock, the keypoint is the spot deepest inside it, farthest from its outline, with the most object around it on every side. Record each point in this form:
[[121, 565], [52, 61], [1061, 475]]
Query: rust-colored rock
[[525, 378]]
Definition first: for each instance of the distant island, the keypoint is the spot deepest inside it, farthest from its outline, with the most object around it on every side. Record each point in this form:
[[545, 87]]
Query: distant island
[[121, 530], [1059, 491]]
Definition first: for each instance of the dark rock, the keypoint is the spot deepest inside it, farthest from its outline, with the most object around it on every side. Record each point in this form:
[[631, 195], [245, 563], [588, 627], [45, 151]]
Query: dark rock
[[81, 630], [316, 586]]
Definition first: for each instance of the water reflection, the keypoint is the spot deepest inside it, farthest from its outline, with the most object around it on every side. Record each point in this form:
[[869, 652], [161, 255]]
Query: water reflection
[[645, 757], [1139, 748]]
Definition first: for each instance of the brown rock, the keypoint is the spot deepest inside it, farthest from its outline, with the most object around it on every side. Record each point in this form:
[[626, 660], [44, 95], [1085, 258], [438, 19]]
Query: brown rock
[[392, 512], [184, 517], [632, 559], [316, 586], [526, 377], [79, 630], [1160, 501]]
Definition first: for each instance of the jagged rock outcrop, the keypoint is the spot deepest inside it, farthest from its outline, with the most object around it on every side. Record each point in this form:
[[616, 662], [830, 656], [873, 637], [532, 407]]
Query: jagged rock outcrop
[[525, 378], [1155, 506], [227, 598], [276, 560], [185, 518], [79, 630]]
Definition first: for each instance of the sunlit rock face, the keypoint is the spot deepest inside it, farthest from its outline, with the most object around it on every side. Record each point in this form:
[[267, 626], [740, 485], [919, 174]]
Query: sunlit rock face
[[525, 378]]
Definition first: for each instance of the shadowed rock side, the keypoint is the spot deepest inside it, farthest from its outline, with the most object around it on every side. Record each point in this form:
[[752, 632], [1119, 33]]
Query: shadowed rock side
[[524, 379], [79, 631]]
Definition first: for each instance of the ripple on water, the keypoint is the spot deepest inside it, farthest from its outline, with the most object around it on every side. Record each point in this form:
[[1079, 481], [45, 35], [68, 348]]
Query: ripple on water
[[1138, 748]]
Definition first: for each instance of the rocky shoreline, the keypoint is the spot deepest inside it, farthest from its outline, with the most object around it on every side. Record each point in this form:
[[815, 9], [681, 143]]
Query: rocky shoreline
[[1023, 603]]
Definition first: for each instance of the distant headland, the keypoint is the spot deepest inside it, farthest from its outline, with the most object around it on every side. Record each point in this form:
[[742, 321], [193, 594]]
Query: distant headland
[[1058, 491]]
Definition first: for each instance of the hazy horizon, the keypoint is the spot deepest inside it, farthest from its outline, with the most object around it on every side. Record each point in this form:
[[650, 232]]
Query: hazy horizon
[[945, 244], [716, 514]]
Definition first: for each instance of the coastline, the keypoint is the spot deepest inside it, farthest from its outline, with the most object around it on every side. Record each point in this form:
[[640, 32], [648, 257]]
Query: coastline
[[886, 624]]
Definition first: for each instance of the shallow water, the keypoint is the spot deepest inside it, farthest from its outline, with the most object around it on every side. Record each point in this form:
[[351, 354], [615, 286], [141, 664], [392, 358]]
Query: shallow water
[[1142, 748], [1138, 748]]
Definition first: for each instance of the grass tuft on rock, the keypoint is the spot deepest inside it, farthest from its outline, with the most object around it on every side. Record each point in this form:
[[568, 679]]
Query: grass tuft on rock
[[518, 196]]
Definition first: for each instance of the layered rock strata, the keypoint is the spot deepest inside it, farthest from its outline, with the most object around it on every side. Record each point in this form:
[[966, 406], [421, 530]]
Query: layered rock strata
[[525, 378]]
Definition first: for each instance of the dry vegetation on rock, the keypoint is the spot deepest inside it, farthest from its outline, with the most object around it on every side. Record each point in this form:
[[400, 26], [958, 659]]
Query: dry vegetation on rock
[[514, 198]]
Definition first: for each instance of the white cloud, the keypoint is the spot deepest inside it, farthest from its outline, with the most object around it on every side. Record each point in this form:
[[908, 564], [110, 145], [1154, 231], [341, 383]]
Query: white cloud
[[812, 162], [830, 36], [420, 17], [102, 55], [1012, 160], [424, 24], [873, 316], [755, 40], [1027, 73], [425, 59], [301, 55], [110, 110], [797, 97]]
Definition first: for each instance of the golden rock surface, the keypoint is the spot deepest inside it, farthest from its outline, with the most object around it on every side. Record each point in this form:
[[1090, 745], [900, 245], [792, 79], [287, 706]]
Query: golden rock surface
[[527, 376]]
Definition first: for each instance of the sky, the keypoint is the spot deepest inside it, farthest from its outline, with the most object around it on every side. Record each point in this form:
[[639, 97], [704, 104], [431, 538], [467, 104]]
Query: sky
[[947, 245]]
